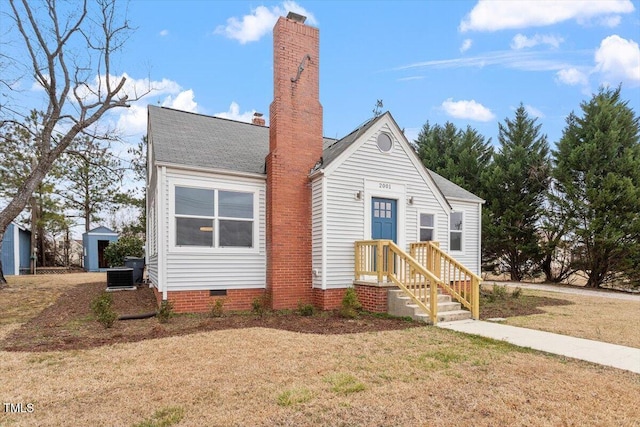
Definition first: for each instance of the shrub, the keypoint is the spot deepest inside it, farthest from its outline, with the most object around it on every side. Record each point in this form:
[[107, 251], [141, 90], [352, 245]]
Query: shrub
[[101, 306], [499, 292], [260, 305], [126, 246], [217, 309], [516, 293], [165, 312], [351, 306], [306, 309]]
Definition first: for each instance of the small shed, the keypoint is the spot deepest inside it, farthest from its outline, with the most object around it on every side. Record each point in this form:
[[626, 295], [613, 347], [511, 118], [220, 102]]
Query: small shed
[[16, 250], [94, 243]]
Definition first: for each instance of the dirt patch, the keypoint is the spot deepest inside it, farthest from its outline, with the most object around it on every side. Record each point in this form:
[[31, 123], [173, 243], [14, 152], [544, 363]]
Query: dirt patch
[[69, 323]]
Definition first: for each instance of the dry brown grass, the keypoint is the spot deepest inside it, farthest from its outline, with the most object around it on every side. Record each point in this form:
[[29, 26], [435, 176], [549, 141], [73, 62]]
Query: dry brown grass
[[257, 376], [423, 376], [602, 319]]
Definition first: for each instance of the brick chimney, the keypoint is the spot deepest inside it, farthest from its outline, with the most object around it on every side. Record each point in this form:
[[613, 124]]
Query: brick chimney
[[295, 145], [258, 119]]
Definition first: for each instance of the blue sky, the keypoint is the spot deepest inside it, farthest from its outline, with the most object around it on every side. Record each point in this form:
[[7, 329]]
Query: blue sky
[[471, 63]]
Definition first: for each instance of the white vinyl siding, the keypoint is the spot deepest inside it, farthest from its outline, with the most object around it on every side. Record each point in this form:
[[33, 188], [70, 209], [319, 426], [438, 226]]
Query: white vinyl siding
[[317, 219], [346, 214], [195, 268]]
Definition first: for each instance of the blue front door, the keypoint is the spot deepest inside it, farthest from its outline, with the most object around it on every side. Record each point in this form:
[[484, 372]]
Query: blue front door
[[384, 219]]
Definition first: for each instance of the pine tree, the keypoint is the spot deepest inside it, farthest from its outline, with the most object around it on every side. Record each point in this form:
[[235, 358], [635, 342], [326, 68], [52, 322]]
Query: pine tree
[[459, 156], [93, 177], [516, 186], [597, 166]]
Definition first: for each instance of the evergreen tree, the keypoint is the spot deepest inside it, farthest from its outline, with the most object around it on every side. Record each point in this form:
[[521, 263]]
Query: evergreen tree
[[516, 186], [597, 166], [93, 177], [459, 156]]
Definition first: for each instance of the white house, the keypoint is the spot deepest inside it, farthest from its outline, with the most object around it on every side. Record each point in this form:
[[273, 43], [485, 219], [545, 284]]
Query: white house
[[237, 210]]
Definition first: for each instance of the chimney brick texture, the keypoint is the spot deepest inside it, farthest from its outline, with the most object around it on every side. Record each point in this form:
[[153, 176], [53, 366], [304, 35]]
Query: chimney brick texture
[[295, 145]]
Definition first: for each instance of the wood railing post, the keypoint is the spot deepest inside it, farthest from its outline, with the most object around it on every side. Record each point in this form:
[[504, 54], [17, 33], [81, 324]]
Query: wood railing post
[[475, 292], [433, 302], [356, 267], [379, 260]]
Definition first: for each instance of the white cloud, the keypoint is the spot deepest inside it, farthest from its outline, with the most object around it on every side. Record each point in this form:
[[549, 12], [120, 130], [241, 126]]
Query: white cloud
[[499, 15], [610, 21], [260, 21], [618, 60], [549, 60], [533, 111], [466, 44], [572, 77], [520, 41], [406, 79], [235, 114], [164, 33], [467, 110], [182, 101]]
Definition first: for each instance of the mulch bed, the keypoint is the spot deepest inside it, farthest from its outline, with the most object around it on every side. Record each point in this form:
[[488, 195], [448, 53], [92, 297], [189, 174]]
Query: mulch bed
[[69, 324]]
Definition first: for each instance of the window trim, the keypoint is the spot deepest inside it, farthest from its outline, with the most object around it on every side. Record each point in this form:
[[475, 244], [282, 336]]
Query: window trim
[[433, 228], [215, 187], [462, 239]]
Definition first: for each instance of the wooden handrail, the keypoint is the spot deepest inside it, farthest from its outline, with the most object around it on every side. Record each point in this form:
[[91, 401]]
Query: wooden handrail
[[426, 267]]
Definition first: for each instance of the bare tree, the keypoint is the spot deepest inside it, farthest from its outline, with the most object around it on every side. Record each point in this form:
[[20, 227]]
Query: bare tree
[[70, 50]]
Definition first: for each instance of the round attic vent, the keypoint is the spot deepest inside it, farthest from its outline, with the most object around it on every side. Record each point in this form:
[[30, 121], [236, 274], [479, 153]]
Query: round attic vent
[[385, 144]]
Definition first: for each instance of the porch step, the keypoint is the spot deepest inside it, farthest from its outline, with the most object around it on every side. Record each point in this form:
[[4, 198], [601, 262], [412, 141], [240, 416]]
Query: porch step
[[398, 304]]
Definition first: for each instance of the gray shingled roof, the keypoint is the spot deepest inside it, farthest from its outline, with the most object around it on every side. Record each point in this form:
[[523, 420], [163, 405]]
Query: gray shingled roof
[[451, 190], [193, 139], [210, 142], [331, 152]]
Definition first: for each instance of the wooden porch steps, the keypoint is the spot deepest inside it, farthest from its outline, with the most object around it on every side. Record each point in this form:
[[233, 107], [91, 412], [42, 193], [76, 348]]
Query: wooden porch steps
[[399, 304]]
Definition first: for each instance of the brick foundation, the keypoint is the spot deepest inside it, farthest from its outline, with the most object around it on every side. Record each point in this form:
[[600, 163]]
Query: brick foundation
[[201, 301], [372, 297], [329, 299]]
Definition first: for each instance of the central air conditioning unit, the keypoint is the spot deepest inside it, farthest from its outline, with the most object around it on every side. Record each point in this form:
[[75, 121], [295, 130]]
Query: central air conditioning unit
[[120, 279]]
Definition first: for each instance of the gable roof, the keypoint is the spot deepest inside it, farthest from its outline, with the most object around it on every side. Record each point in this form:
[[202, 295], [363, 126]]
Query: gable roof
[[191, 139], [101, 230], [332, 151]]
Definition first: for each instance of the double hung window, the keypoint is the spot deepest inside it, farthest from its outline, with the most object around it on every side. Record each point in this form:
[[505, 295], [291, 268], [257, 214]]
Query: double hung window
[[213, 218]]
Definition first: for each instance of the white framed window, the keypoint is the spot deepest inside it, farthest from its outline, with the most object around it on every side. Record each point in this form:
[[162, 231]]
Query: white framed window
[[455, 231], [427, 230], [213, 218]]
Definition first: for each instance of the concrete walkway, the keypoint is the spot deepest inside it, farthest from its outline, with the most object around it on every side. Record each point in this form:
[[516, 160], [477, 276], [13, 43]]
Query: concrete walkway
[[617, 356]]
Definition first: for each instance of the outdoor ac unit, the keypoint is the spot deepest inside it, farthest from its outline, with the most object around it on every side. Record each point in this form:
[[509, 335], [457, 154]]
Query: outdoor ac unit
[[120, 278]]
